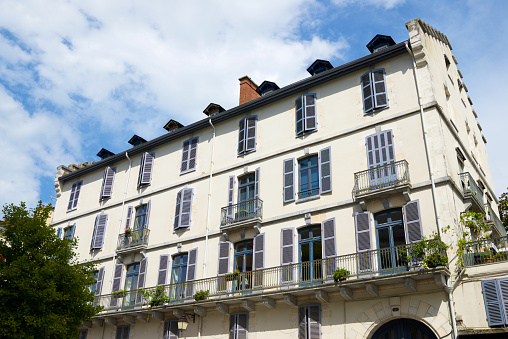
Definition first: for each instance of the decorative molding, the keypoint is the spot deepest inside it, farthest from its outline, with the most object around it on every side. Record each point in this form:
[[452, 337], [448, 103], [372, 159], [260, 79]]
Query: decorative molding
[[158, 315], [129, 319]]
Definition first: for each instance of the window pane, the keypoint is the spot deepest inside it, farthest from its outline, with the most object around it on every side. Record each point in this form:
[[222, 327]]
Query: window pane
[[382, 218], [249, 245], [304, 255], [316, 250], [304, 234], [316, 231], [396, 215], [248, 263], [239, 263]]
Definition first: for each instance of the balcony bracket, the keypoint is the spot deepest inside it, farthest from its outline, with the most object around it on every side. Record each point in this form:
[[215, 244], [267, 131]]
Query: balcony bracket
[[322, 296], [249, 305], [257, 227], [440, 280], [201, 311], [225, 235], [222, 308], [158, 315], [87, 324], [406, 195], [98, 322], [372, 289], [269, 302], [290, 300], [363, 204], [346, 293], [142, 316], [468, 206], [410, 284], [110, 321], [178, 313], [129, 319]]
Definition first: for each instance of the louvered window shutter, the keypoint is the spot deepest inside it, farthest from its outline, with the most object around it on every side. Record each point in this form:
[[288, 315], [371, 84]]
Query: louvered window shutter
[[314, 322], [232, 326], [379, 86], [302, 322], [250, 138], [289, 180], [299, 115], [117, 280], [242, 323], [493, 307], [502, 285], [59, 232], [191, 271], [325, 170], [287, 251], [100, 279], [368, 98], [173, 329], [147, 216], [73, 199], [99, 231], [146, 169], [141, 279], [412, 222], [129, 217], [389, 146], [329, 248], [186, 207], [363, 241], [193, 153], [163, 269], [241, 136], [223, 266], [259, 259], [310, 112], [73, 229], [231, 196], [178, 207], [256, 184], [185, 156], [371, 159], [107, 182]]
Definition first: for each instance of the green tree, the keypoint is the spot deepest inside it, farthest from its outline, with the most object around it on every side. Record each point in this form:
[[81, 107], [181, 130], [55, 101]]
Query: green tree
[[503, 208], [43, 290]]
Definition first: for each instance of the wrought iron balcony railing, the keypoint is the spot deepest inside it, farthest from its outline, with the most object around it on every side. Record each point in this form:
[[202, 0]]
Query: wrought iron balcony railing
[[485, 251], [368, 264], [244, 210], [469, 187], [133, 238], [493, 218], [386, 176]]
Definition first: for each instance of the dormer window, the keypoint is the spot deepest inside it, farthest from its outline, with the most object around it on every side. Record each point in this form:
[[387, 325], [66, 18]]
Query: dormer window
[[136, 140], [380, 42], [267, 87], [319, 66], [213, 109]]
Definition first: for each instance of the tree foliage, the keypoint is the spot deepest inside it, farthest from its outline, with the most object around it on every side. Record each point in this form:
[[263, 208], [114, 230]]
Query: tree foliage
[[43, 290], [503, 208]]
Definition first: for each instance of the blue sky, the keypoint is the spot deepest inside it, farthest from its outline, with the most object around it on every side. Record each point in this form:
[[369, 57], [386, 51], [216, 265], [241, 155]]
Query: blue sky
[[76, 76]]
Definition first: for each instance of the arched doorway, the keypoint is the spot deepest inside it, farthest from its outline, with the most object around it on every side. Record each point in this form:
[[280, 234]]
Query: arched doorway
[[404, 329]]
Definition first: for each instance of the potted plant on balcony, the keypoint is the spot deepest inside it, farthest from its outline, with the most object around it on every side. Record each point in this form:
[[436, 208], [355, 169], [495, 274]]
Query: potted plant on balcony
[[119, 293], [128, 232], [233, 275], [201, 295], [476, 225], [156, 297], [340, 274]]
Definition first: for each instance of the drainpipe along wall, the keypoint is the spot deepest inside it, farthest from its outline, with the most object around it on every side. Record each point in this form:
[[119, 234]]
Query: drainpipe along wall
[[209, 198]]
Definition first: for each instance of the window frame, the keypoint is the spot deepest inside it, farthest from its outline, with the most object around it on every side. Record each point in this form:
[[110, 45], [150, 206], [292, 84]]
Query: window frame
[[245, 133], [373, 93], [136, 217], [236, 316], [309, 173], [189, 140], [305, 130], [122, 334], [308, 331], [73, 201]]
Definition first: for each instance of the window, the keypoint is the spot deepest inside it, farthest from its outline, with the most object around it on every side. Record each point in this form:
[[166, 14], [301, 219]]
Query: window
[[243, 263], [309, 322], [308, 173], [170, 329], [305, 107], [374, 90], [83, 334], [380, 152], [141, 217], [73, 199], [69, 232], [145, 169], [122, 332], [238, 325], [183, 208], [189, 152], [310, 249], [107, 182], [496, 303], [178, 276], [247, 135], [99, 231]]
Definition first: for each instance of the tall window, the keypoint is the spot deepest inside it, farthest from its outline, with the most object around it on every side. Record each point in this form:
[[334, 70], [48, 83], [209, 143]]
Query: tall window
[[305, 107], [122, 332], [131, 283], [170, 329], [310, 249], [69, 232], [308, 172], [140, 220], [247, 135], [243, 261], [246, 194], [83, 334], [179, 275], [74, 197], [390, 233], [93, 287], [374, 90], [309, 322], [239, 325]]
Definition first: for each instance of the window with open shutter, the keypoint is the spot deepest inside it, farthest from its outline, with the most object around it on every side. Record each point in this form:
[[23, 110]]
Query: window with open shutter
[[141, 279], [128, 217], [325, 170], [223, 265], [100, 280], [170, 329], [191, 270], [59, 232], [99, 231], [363, 241], [239, 325], [117, 280], [412, 222], [309, 322], [107, 182], [146, 169], [183, 208], [163, 269], [374, 90], [259, 259], [329, 248], [287, 253], [247, 134], [305, 114], [289, 180], [73, 199], [189, 155]]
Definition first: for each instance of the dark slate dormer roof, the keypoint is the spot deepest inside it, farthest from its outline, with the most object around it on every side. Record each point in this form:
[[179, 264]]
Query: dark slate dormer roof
[[136, 140], [213, 109], [172, 125], [104, 153], [319, 66], [380, 41], [267, 87]]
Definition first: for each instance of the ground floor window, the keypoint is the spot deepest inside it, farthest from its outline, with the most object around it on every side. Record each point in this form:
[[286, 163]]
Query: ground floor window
[[309, 322], [170, 329], [122, 332], [82, 334], [238, 325], [404, 328]]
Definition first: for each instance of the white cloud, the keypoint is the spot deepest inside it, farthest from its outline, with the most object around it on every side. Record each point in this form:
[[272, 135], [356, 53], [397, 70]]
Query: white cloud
[[386, 4]]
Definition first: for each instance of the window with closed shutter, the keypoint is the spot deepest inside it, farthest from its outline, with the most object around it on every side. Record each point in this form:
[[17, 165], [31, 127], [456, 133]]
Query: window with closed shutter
[[146, 169], [374, 91], [99, 231], [239, 325], [107, 182], [305, 114], [73, 198], [183, 208], [189, 155], [309, 322], [495, 296], [247, 135]]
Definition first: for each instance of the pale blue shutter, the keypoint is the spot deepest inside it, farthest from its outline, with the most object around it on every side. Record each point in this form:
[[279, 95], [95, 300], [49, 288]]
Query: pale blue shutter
[[100, 280], [59, 232], [186, 207], [363, 241], [241, 136], [193, 153], [412, 222], [287, 252], [129, 217], [185, 156], [329, 248], [502, 285], [107, 182], [71, 232], [259, 259], [99, 231], [289, 180], [147, 216], [177, 211], [379, 86], [231, 196], [310, 112], [163, 269], [146, 169], [73, 199], [299, 107], [250, 134], [191, 271], [493, 307], [325, 170], [256, 184]]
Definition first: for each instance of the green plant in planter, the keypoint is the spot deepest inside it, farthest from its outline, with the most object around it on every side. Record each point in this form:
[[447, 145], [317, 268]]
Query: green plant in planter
[[232, 276], [119, 293], [201, 295], [476, 225], [340, 274], [156, 297], [430, 252]]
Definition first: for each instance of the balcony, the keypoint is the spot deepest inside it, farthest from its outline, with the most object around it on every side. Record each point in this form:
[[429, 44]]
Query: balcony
[[244, 214], [493, 219], [485, 251], [472, 193], [385, 267], [134, 240], [389, 178]]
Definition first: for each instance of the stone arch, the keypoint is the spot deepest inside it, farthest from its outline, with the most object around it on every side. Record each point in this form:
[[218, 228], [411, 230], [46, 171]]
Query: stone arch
[[380, 313]]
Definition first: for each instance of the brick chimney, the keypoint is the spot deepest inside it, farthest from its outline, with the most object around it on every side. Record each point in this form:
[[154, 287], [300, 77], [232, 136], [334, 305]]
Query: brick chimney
[[247, 90]]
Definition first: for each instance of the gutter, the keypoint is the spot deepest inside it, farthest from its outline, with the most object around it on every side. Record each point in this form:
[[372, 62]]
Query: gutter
[[209, 202]]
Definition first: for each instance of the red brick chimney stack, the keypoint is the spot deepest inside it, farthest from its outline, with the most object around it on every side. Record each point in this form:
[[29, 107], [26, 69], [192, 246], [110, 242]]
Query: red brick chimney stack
[[247, 90]]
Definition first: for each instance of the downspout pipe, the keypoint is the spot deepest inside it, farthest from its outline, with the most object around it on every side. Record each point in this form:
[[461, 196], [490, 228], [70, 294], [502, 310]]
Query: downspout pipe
[[209, 198], [427, 152], [121, 217], [450, 288]]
